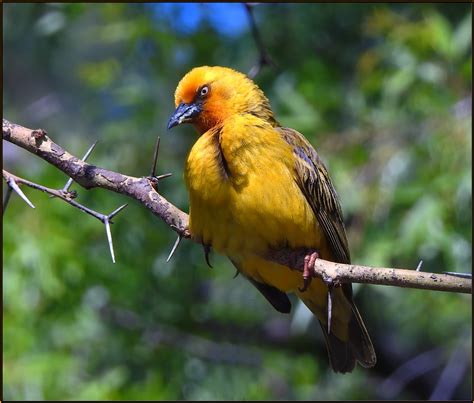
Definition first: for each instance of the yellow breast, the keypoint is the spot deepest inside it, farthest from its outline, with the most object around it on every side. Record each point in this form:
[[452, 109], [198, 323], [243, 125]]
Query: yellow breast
[[243, 195]]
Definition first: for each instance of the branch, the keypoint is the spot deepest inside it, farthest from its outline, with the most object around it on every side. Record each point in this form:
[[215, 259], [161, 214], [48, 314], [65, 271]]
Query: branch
[[264, 57], [142, 190], [65, 195], [90, 176], [336, 273]]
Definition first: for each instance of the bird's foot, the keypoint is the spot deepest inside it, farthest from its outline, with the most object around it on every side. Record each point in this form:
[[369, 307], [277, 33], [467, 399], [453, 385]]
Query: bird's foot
[[308, 269]]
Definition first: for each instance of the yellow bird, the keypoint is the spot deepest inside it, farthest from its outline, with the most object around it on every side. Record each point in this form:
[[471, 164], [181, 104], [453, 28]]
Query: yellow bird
[[254, 186]]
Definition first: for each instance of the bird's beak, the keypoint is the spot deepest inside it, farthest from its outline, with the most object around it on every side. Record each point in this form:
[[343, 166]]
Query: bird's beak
[[184, 113]]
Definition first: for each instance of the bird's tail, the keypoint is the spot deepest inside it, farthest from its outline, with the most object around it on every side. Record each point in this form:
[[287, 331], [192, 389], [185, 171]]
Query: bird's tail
[[347, 340]]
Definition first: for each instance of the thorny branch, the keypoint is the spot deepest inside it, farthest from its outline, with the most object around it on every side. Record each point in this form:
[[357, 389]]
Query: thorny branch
[[63, 194], [90, 176], [142, 190]]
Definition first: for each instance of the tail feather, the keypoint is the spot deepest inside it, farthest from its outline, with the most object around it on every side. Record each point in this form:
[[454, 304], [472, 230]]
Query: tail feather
[[344, 355], [360, 340], [341, 354], [348, 341]]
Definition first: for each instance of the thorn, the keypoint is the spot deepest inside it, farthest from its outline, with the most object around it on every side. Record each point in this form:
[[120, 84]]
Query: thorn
[[159, 177], [419, 265], [107, 221], [116, 211], [175, 246], [329, 308], [207, 251], [6, 199], [86, 155], [109, 237], [88, 152], [16, 188], [237, 272], [155, 157]]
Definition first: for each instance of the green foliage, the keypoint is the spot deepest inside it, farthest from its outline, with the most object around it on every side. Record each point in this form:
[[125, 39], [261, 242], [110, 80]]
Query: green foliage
[[383, 91]]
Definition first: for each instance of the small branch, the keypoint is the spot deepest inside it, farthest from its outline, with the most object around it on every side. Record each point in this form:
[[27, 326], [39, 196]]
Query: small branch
[[264, 57], [453, 373], [68, 197], [409, 370], [90, 176], [336, 273], [141, 189]]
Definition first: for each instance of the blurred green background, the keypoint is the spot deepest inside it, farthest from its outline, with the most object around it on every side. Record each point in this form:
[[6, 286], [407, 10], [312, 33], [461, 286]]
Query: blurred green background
[[383, 91]]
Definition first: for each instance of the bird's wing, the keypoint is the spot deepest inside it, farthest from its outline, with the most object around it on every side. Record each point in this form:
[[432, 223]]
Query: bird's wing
[[314, 181], [277, 298]]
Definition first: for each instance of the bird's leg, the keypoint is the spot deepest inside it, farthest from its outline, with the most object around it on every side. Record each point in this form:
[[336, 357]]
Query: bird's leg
[[308, 269]]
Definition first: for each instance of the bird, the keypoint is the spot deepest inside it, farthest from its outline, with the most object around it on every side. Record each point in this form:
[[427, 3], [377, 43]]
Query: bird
[[256, 186]]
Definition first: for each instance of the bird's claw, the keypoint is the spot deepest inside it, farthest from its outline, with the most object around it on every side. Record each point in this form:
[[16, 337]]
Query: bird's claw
[[308, 270]]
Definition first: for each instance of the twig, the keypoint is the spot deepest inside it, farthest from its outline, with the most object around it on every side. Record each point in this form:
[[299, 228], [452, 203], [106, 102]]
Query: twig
[[411, 369], [140, 189], [452, 373], [335, 273], [90, 176], [264, 57], [12, 180]]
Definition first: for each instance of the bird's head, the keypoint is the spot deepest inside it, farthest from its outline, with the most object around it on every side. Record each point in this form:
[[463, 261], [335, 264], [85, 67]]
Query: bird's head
[[207, 96]]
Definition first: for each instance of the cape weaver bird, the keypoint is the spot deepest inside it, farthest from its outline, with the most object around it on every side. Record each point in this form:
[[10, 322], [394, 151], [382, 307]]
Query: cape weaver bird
[[255, 186]]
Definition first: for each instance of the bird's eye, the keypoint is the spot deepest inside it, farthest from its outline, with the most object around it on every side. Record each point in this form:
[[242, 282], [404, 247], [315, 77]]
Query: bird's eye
[[204, 91]]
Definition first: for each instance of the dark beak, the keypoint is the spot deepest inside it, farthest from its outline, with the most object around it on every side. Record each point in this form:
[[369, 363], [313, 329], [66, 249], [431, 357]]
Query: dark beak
[[184, 113]]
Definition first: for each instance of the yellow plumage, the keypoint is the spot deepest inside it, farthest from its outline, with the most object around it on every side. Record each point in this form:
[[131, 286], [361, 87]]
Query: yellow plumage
[[254, 185]]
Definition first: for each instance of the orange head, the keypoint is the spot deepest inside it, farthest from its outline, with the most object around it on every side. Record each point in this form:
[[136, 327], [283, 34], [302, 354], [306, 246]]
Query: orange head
[[207, 96]]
